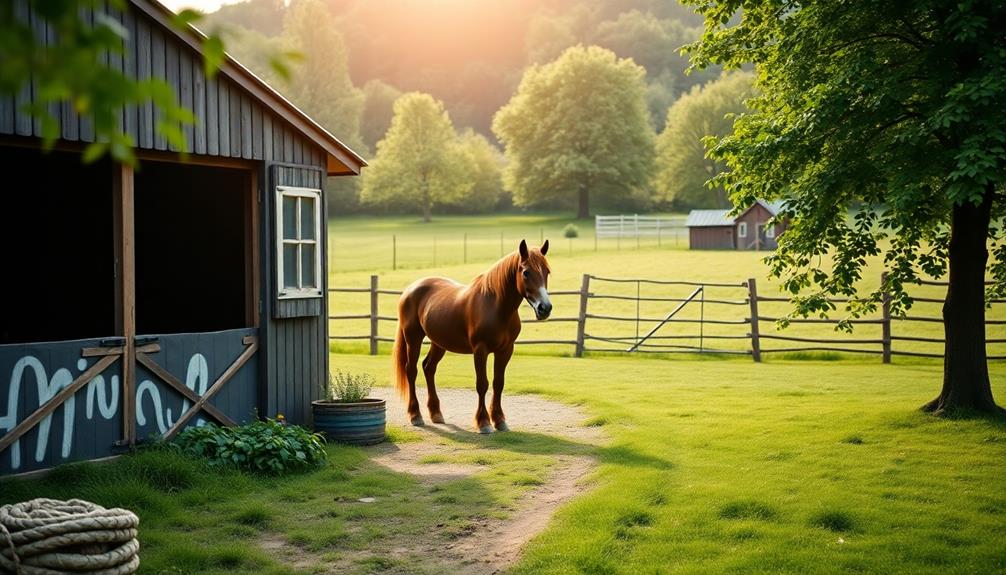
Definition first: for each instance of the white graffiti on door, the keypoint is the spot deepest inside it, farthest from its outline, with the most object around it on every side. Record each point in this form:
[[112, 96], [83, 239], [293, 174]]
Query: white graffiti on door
[[106, 398]]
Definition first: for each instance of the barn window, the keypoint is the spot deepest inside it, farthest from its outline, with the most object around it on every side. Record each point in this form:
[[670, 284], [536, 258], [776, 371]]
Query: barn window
[[298, 254], [742, 230], [770, 231]]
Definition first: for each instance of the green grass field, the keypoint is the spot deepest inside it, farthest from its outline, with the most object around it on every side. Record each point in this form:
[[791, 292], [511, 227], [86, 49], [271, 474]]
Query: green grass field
[[710, 467], [359, 251]]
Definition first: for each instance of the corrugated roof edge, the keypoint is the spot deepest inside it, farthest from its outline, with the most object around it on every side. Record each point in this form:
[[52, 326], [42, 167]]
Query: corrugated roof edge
[[311, 129], [708, 218]]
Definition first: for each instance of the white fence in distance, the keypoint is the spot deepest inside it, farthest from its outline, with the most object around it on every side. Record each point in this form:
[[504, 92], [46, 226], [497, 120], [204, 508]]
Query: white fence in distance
[[634, 226]]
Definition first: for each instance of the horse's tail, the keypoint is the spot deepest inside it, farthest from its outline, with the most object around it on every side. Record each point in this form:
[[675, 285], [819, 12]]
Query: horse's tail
[[401, 360]]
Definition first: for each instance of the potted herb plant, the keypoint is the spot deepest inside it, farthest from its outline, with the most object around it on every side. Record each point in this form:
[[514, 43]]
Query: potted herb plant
[[345, 413]]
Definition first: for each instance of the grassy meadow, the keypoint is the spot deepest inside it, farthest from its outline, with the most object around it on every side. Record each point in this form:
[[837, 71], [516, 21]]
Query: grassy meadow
[[710, 467], [362, 246]]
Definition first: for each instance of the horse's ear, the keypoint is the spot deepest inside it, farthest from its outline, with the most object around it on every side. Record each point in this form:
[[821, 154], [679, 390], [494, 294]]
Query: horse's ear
[[523, 250], [544, 248]]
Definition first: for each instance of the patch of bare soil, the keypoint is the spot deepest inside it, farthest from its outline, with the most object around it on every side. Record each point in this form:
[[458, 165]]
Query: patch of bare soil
[[494, 544]]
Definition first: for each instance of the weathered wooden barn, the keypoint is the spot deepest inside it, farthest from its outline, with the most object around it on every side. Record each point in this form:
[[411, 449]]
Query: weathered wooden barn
[[718, 230], [137, 302]]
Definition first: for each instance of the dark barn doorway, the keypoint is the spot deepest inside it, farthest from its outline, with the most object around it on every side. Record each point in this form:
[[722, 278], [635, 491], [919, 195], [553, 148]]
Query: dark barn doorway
[[192, 269], [56, 245]]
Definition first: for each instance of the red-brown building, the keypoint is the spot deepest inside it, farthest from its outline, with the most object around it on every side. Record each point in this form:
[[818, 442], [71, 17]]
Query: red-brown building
[[718, 230]]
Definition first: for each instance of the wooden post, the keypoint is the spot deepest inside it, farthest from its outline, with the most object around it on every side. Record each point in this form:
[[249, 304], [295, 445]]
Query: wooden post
[[466, 248], [581, 321], [394, 252], [373, 315], [886, 325], [753, 299], [125, 292]]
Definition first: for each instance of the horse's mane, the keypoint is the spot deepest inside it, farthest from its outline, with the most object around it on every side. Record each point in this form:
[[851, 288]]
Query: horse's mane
[[497, 279]]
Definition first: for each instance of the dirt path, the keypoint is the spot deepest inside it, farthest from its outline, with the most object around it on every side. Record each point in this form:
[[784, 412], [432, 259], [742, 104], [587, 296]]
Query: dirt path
[[497, 543], [492, 544]]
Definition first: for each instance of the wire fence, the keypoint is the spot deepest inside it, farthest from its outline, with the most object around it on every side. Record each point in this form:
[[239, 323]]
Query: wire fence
[[643, 315]]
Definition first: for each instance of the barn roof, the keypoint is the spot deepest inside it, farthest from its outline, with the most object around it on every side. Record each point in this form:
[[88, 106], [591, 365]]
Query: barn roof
[[716, 218], [709, 218], [341, 158]]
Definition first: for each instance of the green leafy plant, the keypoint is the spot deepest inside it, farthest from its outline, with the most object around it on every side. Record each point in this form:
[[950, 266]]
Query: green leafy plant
[[269, 447], [570, 231], [349, 387]]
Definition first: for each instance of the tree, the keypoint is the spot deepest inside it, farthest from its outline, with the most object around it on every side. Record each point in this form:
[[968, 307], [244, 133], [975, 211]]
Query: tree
[[895, 105], [486, 164], [419, 162], [577, 126], [378, 107], [321, 85], [682, 164]]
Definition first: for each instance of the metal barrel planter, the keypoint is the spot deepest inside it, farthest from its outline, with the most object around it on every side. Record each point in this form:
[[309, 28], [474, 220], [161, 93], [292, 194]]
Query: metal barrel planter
[[356, 423]]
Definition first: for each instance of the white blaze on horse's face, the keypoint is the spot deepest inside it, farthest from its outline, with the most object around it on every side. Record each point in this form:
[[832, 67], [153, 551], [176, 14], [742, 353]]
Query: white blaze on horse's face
[[533, 280]]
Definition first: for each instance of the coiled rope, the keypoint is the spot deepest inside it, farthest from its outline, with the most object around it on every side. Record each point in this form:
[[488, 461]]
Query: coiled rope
[[50, 537]]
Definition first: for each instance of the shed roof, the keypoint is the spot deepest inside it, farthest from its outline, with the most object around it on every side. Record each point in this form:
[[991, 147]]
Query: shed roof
[[774, 206], [709, 218], [341, 158]]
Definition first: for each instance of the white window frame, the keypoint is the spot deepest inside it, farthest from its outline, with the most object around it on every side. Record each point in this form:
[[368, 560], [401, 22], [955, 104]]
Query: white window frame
[[742, 230], [300, 291], [770, 231]]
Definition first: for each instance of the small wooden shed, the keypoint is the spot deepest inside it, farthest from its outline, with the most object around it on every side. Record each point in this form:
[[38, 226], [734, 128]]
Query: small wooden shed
[[718, 230], [136, 303]]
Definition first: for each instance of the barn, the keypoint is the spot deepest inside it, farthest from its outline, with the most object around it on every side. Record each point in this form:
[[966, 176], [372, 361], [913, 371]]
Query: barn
[[718, 230], [135, 303]]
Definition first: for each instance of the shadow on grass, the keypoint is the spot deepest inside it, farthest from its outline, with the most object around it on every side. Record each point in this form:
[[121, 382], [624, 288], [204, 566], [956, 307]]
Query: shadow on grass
[[530, 443]]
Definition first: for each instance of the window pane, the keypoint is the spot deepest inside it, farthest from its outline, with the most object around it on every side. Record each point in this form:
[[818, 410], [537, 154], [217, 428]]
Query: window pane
[[307, 218], [289, 217], [307, 265], [290, 266]]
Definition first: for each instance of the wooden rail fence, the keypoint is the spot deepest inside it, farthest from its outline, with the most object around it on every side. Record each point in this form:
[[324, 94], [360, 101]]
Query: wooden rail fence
[[744, 295]]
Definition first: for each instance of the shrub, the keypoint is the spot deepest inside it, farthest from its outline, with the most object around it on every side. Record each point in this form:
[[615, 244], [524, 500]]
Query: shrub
[[269, 446], [570, 231], [349, 387]]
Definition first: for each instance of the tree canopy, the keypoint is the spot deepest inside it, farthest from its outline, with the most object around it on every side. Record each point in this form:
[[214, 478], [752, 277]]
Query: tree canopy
[[419, 162], [577, 127], [683, 167], [895, 106]]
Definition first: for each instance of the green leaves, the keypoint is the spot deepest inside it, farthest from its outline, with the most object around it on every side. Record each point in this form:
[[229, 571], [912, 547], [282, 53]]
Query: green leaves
[[270, 447], [890, 110], [578, 123]]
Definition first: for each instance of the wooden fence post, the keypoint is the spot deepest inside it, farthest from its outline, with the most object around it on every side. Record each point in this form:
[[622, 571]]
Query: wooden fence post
[[886, 325], [581, 321], [394, 252], [753, 299], [373, 315]]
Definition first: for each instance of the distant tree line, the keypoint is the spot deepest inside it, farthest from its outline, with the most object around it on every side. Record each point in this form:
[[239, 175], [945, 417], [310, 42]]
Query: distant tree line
[[594, 111]]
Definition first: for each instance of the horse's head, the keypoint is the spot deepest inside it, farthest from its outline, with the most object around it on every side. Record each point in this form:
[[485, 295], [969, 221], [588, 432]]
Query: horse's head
[[532, 281]]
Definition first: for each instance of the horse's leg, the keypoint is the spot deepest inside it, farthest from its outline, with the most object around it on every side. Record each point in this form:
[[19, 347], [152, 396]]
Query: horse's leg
[[499, 367], [482, 386], [414, 341], [433, 357]]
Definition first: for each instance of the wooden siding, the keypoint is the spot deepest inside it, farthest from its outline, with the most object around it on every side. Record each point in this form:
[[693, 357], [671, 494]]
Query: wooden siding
[[711, 238], [756, 217], [88, 425], [295, 331], [229, 120]]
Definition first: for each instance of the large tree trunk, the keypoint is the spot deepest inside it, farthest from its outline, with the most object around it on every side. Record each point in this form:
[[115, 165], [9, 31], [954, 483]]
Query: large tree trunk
[[583, 209], [965, 367]]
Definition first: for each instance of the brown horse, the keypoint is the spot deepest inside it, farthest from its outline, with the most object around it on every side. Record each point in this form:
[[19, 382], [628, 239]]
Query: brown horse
[[480, 318]]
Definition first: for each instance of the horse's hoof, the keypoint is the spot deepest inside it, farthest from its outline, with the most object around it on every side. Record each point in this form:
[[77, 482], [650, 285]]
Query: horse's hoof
[[502, 426], [437, 418], [418, 421], [486, 429]]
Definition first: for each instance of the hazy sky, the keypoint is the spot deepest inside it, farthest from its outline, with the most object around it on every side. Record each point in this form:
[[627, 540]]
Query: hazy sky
[[204, 5]]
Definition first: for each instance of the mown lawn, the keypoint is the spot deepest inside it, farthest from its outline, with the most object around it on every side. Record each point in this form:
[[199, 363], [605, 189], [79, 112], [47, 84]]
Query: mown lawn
[[353, 261], [711, 467]]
